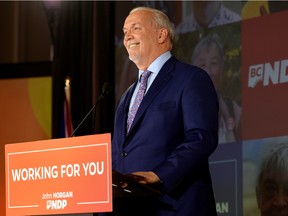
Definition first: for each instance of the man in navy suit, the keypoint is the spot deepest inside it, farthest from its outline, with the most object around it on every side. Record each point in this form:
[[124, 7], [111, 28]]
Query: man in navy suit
[[174, 130]]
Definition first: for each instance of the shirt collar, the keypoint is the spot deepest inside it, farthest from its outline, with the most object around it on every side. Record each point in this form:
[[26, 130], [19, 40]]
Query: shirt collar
[[157, 64]]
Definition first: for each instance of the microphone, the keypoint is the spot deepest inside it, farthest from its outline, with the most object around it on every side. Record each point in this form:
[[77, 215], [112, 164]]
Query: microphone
[[106, 88]]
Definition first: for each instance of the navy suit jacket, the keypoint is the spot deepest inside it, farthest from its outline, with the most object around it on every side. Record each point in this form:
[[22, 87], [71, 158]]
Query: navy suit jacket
[[173, 134]]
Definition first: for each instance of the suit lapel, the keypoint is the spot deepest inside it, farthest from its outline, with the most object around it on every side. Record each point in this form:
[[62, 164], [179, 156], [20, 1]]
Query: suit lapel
[[158, 84]]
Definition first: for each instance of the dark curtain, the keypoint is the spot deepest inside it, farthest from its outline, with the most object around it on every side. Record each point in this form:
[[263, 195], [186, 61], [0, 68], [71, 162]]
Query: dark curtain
[[104, 63], [83, 51]]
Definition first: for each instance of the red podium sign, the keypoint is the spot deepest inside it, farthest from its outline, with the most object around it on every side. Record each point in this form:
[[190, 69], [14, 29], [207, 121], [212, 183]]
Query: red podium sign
[[59, 176]]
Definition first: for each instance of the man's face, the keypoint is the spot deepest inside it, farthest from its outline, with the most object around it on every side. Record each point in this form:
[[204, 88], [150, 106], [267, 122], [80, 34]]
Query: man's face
[[210, 60], [272, 196], [140, 38]]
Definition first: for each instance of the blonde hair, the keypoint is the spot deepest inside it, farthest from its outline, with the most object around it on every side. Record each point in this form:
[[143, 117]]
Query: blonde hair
[[159, 19]]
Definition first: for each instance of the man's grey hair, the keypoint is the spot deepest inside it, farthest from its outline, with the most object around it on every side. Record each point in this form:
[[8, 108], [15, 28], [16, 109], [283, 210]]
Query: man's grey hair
[[160, 20]]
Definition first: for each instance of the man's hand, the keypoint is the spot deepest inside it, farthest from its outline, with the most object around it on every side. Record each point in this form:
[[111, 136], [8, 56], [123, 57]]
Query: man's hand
[[142, 178]]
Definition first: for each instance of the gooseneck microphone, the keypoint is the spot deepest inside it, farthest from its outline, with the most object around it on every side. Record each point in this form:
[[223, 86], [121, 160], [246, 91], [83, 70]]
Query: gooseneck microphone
[[106, 88]]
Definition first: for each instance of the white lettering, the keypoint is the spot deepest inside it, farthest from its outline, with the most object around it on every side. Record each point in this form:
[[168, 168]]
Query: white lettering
[[47, 196], [269, 73], [222, 207], [37, 173], [56, 204], [70, 170], [93, 168], [284, 71], [68, 194]]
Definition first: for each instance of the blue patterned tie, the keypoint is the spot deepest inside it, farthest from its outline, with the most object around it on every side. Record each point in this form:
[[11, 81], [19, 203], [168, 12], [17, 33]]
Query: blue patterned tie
[[139, 96]]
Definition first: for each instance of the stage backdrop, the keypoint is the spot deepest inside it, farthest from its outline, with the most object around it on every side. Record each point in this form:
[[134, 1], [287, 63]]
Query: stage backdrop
[[244, 49]]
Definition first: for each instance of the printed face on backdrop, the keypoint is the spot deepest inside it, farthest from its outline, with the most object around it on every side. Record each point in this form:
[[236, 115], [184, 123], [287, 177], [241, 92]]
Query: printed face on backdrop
[[272, 196], [210, 60]]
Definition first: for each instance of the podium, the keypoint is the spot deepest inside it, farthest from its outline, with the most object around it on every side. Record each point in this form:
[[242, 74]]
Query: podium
[[133, 188], [64, 176]]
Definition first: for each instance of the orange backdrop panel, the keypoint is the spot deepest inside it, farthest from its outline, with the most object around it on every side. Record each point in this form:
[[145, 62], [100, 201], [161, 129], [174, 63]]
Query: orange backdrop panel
[[25, 116]]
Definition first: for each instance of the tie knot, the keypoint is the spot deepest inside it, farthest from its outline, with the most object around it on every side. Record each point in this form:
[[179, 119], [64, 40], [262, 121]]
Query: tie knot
[[145, 75]]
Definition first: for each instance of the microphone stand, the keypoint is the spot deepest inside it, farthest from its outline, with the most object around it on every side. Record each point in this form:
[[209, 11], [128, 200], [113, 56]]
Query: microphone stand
[[105, 90]]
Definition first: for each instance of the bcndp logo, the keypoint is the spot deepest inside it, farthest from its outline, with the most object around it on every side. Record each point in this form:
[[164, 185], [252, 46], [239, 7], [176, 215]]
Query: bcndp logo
[[268, 73]]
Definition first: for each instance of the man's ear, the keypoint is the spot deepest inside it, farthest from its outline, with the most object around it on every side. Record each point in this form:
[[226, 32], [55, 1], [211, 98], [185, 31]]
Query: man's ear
[[163, 34]]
